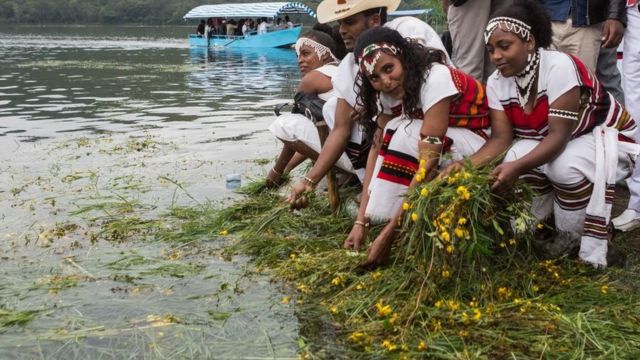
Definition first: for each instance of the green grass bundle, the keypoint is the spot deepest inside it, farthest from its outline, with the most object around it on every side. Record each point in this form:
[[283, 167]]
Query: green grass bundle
[[458, 225]]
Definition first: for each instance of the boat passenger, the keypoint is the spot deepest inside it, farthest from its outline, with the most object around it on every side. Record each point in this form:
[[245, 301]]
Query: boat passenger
[[560, 130], [245, 28], [262, 26], [288, 22], [347, 135], [232, 25], [318, 64], [429, 109], [201, 28]]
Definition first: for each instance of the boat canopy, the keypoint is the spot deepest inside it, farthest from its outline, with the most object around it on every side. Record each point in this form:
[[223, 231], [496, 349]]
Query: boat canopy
[[263, 9]]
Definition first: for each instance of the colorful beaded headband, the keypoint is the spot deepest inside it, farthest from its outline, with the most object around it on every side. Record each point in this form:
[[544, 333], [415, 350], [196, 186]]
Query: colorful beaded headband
[[319, 49], [509, 24], [368, 62]]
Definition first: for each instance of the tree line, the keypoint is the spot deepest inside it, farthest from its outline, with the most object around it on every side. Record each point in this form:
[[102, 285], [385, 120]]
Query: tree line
[[156, 12]]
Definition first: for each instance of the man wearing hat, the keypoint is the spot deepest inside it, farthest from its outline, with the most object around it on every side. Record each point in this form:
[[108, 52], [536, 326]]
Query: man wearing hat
[[354, 17]]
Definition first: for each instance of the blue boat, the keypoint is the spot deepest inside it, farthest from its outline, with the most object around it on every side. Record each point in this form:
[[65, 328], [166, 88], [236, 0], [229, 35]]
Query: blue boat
[[276, 38]]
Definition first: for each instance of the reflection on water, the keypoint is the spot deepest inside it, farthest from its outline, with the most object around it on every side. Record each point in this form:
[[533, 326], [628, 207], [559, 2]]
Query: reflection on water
[[118, 116]]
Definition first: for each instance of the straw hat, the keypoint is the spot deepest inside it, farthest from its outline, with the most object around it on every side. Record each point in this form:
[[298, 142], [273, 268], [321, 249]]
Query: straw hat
[[332, 10]]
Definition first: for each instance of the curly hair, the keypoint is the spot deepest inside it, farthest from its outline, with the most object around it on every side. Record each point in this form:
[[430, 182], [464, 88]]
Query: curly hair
[[535, 15], [416, 61]]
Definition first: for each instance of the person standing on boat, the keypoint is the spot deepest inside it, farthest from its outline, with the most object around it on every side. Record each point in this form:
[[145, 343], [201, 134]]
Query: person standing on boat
[[318, 64], [354, 17], [288, 22]]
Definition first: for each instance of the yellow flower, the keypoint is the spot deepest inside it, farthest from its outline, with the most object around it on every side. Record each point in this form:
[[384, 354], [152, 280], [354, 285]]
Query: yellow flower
[[389, 345], [439, 304], [419, 178], [359, 286], [540, 226], [535, 288], [404, 348], [424, 192], [502, 244], [446, 274], [504, 292], [512, 241], [414, 217], [285, 300], [451, 180], [464, 317], [383, 310], [604, 289], [405, 206], [393, 319], [422, 346], [293, 256], [463, 333], [376, 275], [465, 175], [477, 314], [423, 162], [336, 281], [356, 337], [453, 305], [333, 309], [450, 249], [463, 192], [445, 236], [224, 232], [437, 326], [462, 221], [459, 232]]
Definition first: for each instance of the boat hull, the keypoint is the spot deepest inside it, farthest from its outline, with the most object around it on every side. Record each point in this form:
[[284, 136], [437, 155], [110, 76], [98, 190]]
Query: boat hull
[[279, 38]]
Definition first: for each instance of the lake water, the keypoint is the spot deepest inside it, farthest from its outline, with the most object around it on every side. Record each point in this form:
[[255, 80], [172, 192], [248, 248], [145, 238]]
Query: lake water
[[131, 118]]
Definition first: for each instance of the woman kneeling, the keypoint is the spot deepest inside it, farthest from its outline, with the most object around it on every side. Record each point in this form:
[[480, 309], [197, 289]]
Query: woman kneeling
[[423, 109], [559, 129]]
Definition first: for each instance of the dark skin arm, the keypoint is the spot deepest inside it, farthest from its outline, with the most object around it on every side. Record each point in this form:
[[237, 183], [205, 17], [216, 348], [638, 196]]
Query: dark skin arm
[[358, 232], [331, 151], [612, 33], [435, 123], [315, 82], [500, 140], [506, 174]]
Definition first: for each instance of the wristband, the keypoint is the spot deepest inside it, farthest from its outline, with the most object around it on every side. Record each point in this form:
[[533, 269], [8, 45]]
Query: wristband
[[362, 223], [307, 179]]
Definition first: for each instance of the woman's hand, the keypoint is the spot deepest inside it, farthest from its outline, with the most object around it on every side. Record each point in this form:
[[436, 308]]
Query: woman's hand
[[506, 175], [356, 235], [452, 168], [295, 200], [380, 248]]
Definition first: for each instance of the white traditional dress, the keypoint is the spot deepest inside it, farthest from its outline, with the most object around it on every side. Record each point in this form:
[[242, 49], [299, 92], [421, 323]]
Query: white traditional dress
[[579, 184], [397, 161], [297, 127]]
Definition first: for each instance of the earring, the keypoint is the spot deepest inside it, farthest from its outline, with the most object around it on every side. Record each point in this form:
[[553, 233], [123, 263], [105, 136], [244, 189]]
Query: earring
[[529, 57]]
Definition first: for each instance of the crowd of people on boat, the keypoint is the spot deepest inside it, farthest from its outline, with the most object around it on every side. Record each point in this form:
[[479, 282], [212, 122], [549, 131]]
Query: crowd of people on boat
[[242, 27], [530, 84]]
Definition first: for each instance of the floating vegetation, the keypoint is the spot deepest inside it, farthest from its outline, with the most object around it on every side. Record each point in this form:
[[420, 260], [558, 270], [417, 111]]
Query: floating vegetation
[[10, 318]]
